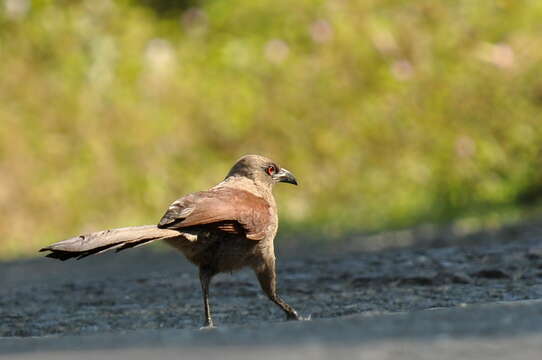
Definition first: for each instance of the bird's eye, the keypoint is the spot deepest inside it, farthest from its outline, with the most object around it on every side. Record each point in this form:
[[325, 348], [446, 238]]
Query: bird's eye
[[270, 170]]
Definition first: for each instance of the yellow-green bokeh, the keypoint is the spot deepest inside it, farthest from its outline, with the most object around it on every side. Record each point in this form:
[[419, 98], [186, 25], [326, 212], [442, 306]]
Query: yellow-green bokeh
[[389, 112]]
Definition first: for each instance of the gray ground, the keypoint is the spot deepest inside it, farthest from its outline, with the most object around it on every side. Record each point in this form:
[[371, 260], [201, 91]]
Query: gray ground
[[145, 290], [508, 330]]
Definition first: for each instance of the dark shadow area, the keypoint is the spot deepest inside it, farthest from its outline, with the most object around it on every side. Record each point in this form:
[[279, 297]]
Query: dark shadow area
[[531, 194], [168, 8], [424, 236]]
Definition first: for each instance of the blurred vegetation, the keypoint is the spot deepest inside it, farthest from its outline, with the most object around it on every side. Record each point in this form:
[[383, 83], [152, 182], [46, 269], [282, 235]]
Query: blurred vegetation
[[389, 112]]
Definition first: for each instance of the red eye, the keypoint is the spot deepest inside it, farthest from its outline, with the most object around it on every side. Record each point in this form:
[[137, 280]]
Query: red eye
[[270, 170]]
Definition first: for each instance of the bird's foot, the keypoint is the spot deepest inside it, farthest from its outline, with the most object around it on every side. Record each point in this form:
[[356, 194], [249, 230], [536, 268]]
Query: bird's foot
[[295, 316], [207, 327]]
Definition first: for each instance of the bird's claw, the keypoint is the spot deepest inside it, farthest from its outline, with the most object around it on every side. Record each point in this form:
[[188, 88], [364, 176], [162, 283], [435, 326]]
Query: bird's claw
[[207, 327], [295, 316]]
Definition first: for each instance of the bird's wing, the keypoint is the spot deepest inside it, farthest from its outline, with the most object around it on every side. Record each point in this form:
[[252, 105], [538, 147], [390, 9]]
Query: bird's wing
[[225, 208]]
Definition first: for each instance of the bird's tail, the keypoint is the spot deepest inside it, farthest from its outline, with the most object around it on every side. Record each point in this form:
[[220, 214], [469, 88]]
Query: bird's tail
[[97, 242]]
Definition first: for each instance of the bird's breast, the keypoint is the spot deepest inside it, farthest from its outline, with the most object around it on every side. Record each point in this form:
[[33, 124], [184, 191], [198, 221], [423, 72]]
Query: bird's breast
[[223, 252]]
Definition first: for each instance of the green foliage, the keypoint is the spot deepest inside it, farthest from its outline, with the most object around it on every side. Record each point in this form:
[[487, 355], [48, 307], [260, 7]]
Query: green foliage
[[388, 112]]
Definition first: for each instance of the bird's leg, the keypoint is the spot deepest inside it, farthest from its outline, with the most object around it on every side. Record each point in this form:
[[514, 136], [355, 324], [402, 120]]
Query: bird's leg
[[205, 276], [267, 278]]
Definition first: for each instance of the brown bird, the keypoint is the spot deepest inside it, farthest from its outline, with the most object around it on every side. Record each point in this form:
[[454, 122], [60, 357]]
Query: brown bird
[[228, 227]]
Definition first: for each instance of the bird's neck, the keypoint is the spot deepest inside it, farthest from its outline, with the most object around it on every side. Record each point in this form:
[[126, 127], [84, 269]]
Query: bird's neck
[[246, 184]]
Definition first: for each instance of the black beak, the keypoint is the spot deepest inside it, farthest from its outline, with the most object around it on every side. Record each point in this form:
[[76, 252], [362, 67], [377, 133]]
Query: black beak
[[285, 176]]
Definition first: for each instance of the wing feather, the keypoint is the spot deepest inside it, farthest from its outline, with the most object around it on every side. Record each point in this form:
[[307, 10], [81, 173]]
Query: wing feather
[[223, 207]]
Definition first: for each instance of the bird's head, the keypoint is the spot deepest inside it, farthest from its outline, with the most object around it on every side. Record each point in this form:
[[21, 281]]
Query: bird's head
[[261, 170]]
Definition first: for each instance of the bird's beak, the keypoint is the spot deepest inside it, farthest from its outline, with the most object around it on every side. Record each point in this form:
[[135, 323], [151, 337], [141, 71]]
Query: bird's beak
[[285, 176]]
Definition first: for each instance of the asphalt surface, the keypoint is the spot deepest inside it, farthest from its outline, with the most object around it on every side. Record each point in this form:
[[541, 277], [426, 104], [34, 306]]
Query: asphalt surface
[[510, 330], [476, 297]]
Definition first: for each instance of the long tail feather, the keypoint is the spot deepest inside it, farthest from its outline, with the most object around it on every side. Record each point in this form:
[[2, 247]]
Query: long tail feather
[[97, 242]]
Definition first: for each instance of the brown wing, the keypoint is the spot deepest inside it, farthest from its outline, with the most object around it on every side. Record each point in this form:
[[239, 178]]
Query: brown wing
[[227, 208]]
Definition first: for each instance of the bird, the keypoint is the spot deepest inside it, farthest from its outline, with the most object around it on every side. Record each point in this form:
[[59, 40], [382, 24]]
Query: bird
[[226, 228]]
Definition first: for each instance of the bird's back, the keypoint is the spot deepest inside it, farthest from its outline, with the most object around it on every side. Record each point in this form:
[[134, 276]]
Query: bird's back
[[225, 228]]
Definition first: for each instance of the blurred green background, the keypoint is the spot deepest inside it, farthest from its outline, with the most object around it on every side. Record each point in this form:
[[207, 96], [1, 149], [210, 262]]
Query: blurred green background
[[391, 113]]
